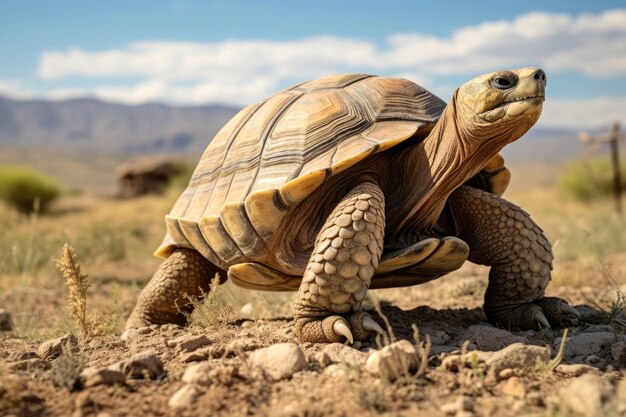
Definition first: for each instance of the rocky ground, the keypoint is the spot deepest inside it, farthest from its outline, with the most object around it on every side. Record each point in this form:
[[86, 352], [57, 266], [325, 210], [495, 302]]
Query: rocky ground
[[436, 361]]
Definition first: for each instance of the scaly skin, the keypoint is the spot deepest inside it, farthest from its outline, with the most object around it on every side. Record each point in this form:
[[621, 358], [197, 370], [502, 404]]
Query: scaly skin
[[503, 236], [185, 274], [345, 256]]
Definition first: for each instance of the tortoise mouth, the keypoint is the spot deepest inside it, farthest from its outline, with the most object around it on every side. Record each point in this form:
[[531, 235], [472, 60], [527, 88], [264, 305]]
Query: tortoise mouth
[[525, 98]]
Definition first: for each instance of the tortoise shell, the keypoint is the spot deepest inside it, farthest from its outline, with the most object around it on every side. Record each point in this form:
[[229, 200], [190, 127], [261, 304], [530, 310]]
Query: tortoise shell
[[273, 154]]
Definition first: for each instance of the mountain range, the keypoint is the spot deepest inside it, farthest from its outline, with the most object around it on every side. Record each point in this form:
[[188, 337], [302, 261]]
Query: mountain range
[[91, 124]]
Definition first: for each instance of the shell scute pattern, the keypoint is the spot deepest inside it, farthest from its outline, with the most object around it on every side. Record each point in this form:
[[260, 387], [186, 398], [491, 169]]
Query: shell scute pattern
[[274, 154]]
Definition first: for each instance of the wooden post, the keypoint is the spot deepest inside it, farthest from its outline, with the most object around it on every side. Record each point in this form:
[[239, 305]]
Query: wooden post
[[617, 175], [612, 138]]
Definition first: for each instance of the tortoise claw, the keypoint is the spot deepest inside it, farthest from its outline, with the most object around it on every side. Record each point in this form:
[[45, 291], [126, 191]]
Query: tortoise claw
[[568, 310], [542, 321], [340, 328], [369, 324]]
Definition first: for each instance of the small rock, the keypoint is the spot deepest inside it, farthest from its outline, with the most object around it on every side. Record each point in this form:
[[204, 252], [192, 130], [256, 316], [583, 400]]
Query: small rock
[[235, 347], [321, 358], [506, 374], [247, 310], [618, 351], [30, 364], [393, 361], [576, 369], [186, 396], [491, 338], [453, 362], [595, 361], [247, 324], [101, 376], [132, 334], [585, 395], [514, 387], [463, 404], [198, 374], [438, 350], [189, 342], [197, 356], [600, 328], [142, 365], [535, 399], [54, 347], [344, 354], [279, 361], [336, 370], [586, 343], [6, 323], [517, 355], [438, 337]]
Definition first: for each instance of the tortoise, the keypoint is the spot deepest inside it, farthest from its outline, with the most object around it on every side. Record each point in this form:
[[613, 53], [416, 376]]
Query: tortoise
[[352, 182]]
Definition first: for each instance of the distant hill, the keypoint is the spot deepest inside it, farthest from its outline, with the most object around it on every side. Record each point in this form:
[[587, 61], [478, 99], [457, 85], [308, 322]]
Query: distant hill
[[86, 123]]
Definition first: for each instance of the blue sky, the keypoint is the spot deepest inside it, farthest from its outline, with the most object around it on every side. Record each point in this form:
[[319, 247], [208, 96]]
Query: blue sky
[[236, 52]]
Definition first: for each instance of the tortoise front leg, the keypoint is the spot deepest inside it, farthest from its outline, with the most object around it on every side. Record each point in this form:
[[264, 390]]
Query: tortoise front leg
[[338, 275], [503, 236], [166, 299]]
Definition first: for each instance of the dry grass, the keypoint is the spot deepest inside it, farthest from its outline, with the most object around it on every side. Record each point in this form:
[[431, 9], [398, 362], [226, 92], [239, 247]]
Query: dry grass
[[77, 284]]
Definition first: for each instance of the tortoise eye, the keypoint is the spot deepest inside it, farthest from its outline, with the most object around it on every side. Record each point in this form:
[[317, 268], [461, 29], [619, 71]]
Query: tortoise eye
[[502, 82]]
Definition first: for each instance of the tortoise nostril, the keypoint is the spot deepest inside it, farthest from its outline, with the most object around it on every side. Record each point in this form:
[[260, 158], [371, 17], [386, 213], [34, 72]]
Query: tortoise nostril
[[539, 75]]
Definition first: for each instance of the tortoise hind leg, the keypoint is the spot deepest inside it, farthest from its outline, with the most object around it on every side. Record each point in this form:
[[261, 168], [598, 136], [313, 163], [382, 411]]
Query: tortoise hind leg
[[504, 237], [346, 253], [185, 275]]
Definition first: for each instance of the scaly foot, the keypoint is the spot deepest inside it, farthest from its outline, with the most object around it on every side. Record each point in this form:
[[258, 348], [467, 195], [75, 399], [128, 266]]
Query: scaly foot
[[335, 328], [540, 314]]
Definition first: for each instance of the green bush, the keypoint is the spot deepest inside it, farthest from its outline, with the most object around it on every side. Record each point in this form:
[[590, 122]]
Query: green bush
[[25, 189], [590, 180]]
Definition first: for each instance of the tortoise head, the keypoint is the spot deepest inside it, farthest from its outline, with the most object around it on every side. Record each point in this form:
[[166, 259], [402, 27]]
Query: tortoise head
[[503, 104]]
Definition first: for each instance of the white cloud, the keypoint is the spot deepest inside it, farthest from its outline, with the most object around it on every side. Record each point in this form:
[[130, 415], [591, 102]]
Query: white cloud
[[242, 71], [592, 44]]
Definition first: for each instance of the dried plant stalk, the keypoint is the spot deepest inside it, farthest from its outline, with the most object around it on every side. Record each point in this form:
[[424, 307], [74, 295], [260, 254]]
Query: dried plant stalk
[[77, 284]]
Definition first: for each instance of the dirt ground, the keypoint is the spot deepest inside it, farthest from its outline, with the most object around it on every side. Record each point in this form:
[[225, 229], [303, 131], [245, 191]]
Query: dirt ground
[[456, 373]]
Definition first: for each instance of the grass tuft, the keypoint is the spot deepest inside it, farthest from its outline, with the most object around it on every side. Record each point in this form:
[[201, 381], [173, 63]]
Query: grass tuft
[[77, 284]]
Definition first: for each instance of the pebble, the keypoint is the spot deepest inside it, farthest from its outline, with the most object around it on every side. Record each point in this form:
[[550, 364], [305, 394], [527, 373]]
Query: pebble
[[279, 361], [186, 396], [341, 353], [517, 355], [189, 342], [142, 365], [586, 343], [101, 376], [321, 358], [576, 369], [246, 344], [393, 361], [491, 338], [196, 356], [54, 347], [514, 387], [6, 323], [586, 394], [463, 404], [198, 374]]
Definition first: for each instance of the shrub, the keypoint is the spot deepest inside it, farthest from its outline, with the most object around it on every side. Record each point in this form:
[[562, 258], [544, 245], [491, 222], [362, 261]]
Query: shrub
[[586, 181], [25, 189]]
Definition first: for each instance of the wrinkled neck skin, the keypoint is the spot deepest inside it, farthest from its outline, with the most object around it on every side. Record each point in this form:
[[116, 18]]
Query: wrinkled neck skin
[[456, 150]]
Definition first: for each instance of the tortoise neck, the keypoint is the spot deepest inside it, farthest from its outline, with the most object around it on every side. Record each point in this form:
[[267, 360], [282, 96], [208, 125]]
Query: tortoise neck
[[445, 160]]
